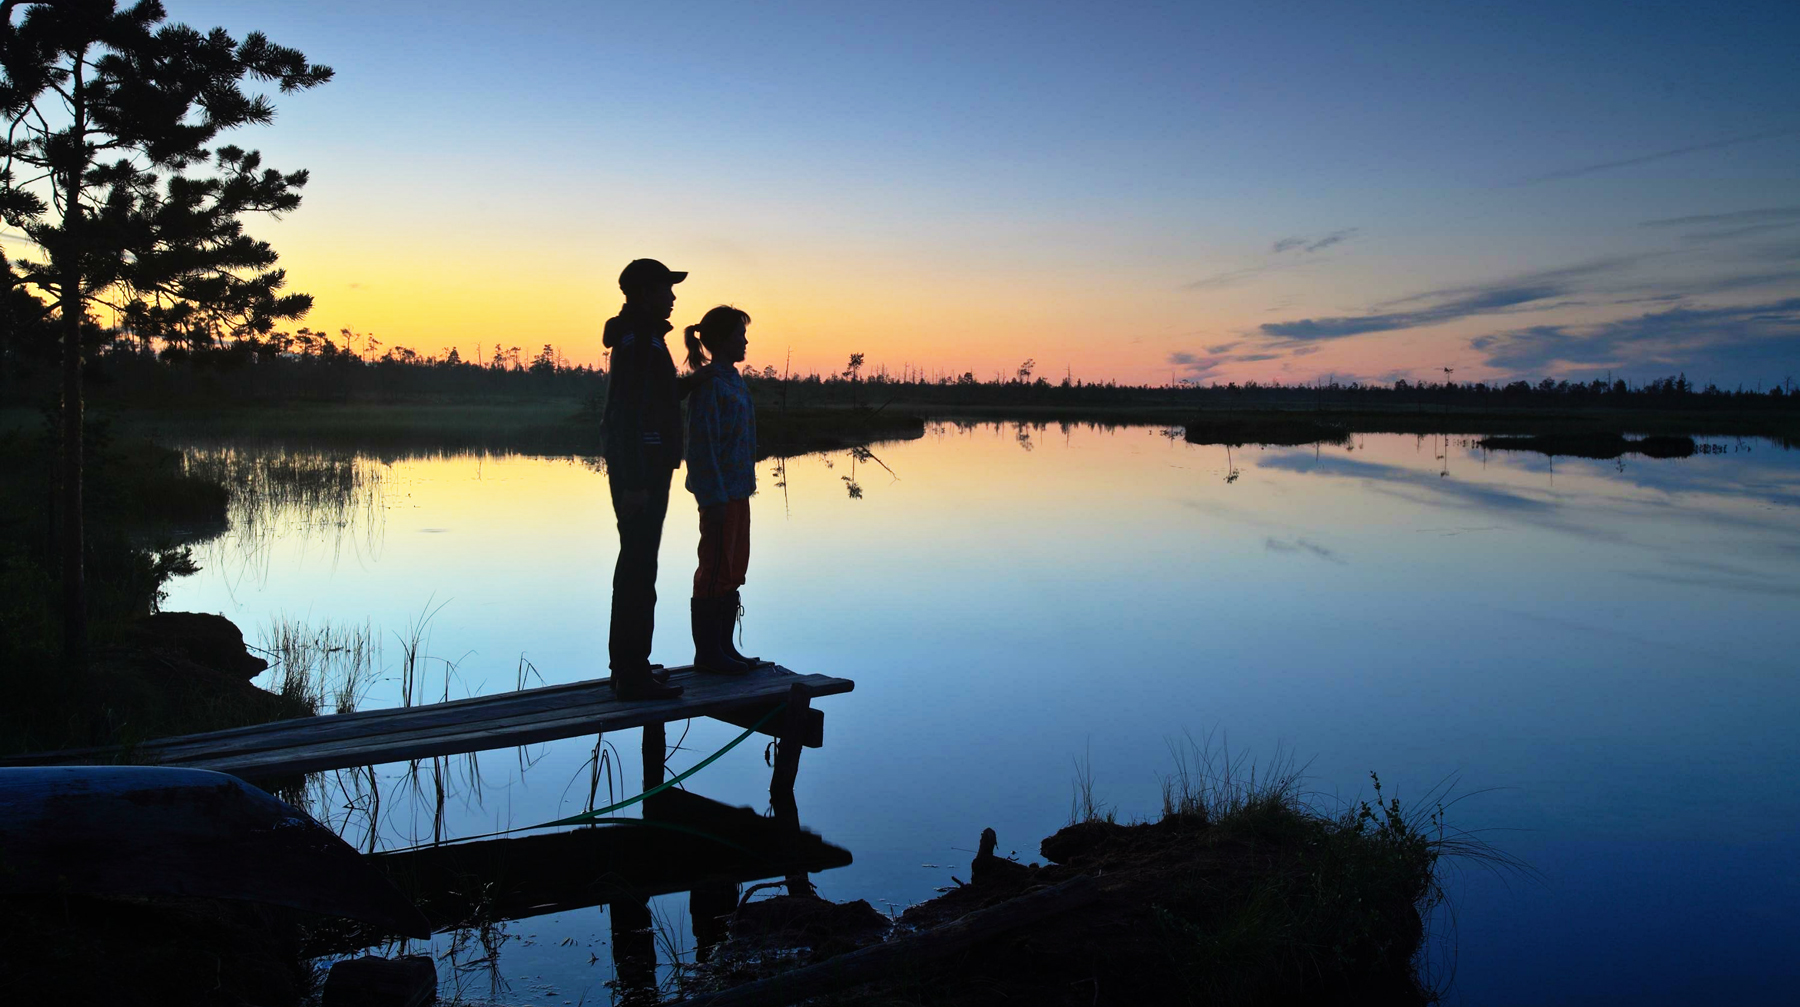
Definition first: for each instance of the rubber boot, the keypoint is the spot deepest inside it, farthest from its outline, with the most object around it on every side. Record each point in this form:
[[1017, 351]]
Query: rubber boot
[[734, 606], [709, 652], [640, 683]]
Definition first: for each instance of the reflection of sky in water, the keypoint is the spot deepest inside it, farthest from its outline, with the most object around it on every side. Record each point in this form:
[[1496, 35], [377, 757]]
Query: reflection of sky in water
[[1602, 649]]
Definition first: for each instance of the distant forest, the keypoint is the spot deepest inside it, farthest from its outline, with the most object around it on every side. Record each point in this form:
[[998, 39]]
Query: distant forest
[[315, 366]]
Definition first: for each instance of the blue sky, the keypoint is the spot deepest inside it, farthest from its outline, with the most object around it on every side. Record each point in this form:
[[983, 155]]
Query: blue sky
[[1368, 191]]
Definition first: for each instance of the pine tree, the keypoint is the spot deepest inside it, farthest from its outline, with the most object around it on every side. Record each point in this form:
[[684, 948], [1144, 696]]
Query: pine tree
[[109, 111]]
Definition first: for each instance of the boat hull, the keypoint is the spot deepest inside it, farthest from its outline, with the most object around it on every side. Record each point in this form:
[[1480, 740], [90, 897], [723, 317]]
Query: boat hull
[[150, 831]]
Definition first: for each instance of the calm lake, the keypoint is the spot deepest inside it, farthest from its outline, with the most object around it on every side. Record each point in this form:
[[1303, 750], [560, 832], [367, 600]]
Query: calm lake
[[1597, 657]]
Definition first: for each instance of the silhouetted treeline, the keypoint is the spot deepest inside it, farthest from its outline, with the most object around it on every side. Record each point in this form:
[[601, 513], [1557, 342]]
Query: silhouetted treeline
[[304, 367], [1674, 392], [320, 367]]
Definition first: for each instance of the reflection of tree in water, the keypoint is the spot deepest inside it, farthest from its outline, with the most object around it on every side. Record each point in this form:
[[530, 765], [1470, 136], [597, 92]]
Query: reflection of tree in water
[[277, 493], [1022, 434], [780, 475], [857, 455]]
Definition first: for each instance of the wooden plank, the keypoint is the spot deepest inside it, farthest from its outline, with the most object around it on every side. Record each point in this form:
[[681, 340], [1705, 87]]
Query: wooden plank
[[527, 717], [318, 730], [708, 698], [274, 729], [479, 710], [429, 742]]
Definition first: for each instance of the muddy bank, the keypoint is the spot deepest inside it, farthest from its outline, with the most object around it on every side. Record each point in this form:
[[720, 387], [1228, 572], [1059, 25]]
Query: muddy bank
[[157, 675], [165, 674], [1267, 903]]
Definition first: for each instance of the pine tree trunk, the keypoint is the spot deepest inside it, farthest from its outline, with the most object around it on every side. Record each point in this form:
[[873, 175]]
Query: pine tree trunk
[[74, 586], [68, 260]]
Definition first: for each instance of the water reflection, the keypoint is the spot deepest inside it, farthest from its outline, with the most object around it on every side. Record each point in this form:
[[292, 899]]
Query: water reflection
[[1589, 637], [684, 844], [475, 892], [332, 497]]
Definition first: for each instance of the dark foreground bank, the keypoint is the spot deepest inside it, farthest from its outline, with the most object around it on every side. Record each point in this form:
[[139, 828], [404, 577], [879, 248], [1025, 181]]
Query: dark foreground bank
[[1236, 895]]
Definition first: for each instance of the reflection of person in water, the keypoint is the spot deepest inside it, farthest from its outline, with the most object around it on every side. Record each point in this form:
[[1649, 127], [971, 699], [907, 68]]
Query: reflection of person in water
[[643, 449], [721, 453]]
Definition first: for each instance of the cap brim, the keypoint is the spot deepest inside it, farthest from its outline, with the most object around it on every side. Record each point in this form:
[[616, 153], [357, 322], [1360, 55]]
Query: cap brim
[[676, 277]]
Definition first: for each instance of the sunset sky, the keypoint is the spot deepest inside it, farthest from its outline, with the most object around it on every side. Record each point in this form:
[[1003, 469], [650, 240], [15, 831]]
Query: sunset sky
[[1119, 191]]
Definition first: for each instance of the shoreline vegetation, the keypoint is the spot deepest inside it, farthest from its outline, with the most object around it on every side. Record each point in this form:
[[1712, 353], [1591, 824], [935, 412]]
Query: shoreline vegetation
[[312, 388], [143, 505], [1239, 892]]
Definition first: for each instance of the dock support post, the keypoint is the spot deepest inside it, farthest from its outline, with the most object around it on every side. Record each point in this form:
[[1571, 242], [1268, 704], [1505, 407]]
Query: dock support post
[[787, 769], [788, 743], [656, 748], [633, 947]]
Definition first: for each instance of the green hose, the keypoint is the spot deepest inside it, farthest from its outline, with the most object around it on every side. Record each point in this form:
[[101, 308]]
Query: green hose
[[597, 814]]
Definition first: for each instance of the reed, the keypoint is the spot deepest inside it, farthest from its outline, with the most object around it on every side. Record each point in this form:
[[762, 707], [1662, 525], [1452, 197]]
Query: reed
[[315, 669], [1341, 898]]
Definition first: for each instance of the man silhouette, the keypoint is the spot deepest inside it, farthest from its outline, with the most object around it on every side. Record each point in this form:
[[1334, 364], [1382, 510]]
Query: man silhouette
[[643, 449]]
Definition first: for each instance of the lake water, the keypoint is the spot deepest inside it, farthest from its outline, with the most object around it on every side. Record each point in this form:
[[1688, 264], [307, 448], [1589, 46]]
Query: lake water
[[1598, 657]]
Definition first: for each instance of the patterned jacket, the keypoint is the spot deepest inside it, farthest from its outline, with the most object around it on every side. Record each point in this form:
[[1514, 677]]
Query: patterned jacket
[[642, 423], [721, 446]]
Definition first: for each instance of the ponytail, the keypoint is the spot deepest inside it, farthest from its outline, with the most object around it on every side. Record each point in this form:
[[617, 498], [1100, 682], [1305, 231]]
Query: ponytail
[[696, 353], [715, 323]]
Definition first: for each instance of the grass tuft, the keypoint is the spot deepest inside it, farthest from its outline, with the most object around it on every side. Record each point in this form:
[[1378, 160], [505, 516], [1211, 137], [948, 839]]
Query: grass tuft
[[309, 668], [1082, 806], [1339, 900]]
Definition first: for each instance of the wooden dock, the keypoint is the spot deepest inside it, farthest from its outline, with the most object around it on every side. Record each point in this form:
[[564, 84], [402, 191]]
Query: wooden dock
[[505, 720]]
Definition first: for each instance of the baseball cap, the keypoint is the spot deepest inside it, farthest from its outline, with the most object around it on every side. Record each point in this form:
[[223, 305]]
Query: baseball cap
[[641, 273]]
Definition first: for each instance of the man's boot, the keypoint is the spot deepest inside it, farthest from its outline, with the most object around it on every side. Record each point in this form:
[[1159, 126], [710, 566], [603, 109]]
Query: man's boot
[[639, 682], [734, 605], [709, 650]]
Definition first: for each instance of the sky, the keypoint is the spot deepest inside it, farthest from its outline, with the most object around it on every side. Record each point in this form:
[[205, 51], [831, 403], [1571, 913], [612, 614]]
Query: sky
[[1116, 191]]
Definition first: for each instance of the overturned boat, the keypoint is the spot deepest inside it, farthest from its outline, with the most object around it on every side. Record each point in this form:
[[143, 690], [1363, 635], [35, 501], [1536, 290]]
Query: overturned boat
[[150, 831]]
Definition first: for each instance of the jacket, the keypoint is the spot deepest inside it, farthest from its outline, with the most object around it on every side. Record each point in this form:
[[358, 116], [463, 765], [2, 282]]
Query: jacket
[[641, 426], [721, 437]]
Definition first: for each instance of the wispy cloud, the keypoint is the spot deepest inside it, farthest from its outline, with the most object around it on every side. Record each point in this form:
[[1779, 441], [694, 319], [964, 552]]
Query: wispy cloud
[[1273, 544], [1203, 367], [1303, 245], [1309, 245], [1707, 227], [1233, 276], [1335, 237], [1531, 292], [1737, 217], [1758, 338], [1320, 329], [1626, 162], [1738, 232]]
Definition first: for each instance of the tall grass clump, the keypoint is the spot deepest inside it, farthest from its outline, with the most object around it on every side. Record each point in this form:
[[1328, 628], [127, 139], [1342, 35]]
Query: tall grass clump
[[314, 670], [276, 493], [1082, 805], [1337, 898]]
